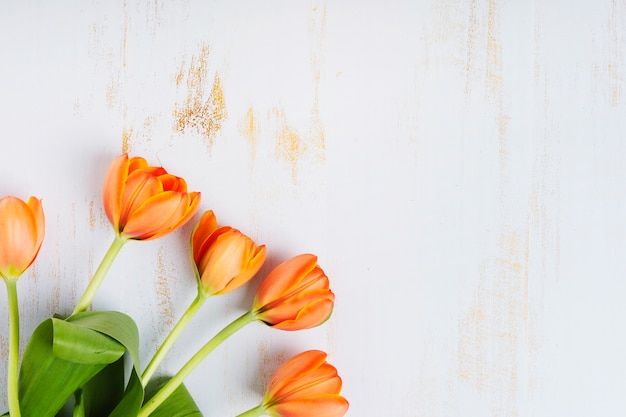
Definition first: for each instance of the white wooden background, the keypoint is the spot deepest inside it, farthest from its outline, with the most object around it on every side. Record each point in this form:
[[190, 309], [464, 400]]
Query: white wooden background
[[459, 166]]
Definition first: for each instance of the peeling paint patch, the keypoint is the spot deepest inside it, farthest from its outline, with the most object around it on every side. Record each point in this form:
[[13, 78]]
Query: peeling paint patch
[[494, 78], [472, 34], [92, 216], [4, 347], [200, 112], [317, 34], [164, 301], [289, 145], [495, 327], [127, 133], [250, 129], [317, 133]]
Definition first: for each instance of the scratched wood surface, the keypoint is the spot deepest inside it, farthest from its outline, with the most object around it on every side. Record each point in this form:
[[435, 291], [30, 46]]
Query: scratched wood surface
[[459, 166]]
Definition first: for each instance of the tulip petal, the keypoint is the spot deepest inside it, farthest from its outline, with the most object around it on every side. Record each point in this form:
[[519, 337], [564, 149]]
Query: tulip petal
[[114, 183], [203, 230], [130, 187], [157, 216], [140, 186], [288, 308], [190, 210], [322, 380], [137, 162], [19, 240], [294, 368], [284, 277], [319, 406], [173, 183], [207, 248], [37, 209], [225, 257], [312, 315], [247, 271]]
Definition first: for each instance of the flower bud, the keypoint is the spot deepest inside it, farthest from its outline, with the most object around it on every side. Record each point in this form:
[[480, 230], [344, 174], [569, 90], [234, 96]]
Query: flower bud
[[224, 258], [144, 202], [305, 386], [22, 227], [295, 295]]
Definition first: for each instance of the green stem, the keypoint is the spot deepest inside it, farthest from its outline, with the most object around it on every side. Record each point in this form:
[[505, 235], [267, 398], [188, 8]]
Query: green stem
[[171, 338], [195, 360], [103, 268], [254, 412], [14, 348]]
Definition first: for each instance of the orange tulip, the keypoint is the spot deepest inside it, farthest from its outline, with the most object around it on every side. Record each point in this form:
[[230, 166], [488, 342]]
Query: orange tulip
[[21, 234], [295, 295], [305, 386], [224, 258], [144, 202]]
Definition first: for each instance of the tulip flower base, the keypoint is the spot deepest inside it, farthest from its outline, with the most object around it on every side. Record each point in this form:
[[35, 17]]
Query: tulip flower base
[[87, 364]]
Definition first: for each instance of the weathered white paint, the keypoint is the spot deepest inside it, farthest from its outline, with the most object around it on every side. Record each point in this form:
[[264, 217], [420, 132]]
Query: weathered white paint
[[458, 166]]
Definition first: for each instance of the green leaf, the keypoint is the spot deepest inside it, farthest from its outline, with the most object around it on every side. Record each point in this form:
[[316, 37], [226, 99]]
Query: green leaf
[[132, 399], [82, 345], [47, 381], [122, 328], [63, 355], [102, 392], [178, 404], [114, 324]]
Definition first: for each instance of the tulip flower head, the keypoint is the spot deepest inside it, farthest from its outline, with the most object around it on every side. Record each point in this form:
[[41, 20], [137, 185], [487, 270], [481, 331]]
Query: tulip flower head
[[22, 227], [144, 202], [305, 386], [295, 295], [224, 258]]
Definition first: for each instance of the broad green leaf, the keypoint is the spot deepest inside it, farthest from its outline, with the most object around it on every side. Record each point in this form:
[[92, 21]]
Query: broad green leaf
[[114, 324], [82, 345], [122, 328], [46, 381], [102, 392], [133, 397], [178, 404], [63, 356]]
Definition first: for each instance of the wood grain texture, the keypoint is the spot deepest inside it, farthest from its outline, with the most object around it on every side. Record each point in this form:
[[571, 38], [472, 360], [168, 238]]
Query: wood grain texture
[[458, 166]]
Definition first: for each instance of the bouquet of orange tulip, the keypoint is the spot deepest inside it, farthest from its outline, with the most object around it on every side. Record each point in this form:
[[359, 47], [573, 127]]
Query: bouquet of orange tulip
[[79, 360]]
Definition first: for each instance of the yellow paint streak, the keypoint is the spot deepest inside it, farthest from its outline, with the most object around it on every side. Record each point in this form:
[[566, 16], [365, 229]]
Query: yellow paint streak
[[289, 146], [164, 301], [4, 347], [112, 92], [472, 30], [200, 112], [249, 128], [92, 216], [316, 132], [269, 361], [494, 78], [494, 328], [127, 133], [494, 54]]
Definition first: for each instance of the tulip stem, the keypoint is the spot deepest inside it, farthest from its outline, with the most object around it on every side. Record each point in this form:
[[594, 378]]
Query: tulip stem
[[171, 338], [195, 360], [98, 276], [14, 348], [254, 412]]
